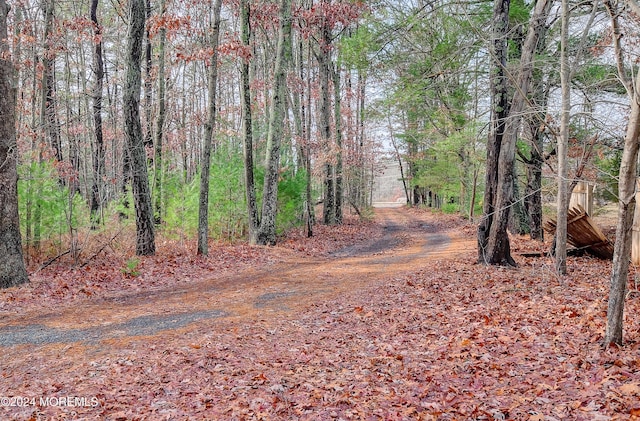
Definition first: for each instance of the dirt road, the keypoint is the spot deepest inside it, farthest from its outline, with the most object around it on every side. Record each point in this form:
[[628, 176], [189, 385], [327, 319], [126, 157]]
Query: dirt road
[[284, 287], [48, 347]]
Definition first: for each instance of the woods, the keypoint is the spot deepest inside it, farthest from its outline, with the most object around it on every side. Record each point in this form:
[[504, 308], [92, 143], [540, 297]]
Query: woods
[[195, 220], [223, 121]]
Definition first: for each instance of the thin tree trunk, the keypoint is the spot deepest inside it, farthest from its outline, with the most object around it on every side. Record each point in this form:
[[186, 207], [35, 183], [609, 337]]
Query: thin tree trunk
[[362, 162], [48, 84], [399, 158], [310, 216], [473, 194], [148, 84], [247, 121], [145, 236], [324, 63], [626, 198], [275, 130], [98, 154], [12, 269], [158, 158], [203, 212], [338, 130], [563, 145]]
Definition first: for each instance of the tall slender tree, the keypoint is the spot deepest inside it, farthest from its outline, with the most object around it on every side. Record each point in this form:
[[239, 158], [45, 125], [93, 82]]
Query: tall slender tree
[[145, 236], [99, 150], [563, 145], [626, 191], [12, 268], [203, 209], [162, 112], [323, 56], [337, 104], [247, 121], [275, 130], [49, 101]]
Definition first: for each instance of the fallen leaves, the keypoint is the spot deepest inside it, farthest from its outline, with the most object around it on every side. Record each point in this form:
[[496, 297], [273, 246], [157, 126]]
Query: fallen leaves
[[447, 340]]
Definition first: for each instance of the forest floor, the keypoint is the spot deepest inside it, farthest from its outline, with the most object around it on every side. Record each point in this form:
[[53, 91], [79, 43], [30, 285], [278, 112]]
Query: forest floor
[[389, 319]]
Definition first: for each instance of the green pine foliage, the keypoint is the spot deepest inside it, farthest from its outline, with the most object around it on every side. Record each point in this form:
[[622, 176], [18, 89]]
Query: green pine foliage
[[291, 197], [46, 210], [48, 214], [181, 206], [608, 168], [226, 200]]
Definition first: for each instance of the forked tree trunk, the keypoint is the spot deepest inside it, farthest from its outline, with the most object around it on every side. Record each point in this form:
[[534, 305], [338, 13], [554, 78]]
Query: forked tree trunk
[[493, 239], [499, 113], [12, 269], [203, 213], [145, 236]]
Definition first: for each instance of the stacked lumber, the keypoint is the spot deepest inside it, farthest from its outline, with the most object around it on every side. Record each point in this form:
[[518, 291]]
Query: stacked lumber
[[583, 233]]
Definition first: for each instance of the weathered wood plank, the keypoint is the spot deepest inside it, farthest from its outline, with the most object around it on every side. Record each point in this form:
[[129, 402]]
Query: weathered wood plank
[[583, 233]]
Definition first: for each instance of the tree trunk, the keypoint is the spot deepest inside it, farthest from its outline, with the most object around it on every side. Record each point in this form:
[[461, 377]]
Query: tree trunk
[[148, 84], [499, 113], [563, 145], [626, 208], [324, 64], [533, 194], [145, 236], [50, 121], [310, 215], [398, 156], [203, 213], [12, 269], [626, 199], [275, 130], [98, 152], [247, 121], [494, 248], [338, 129], [158, 158]]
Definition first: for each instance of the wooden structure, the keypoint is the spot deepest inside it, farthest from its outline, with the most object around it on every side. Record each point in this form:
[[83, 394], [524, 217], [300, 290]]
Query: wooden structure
[[583, 233], [582, 195]]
